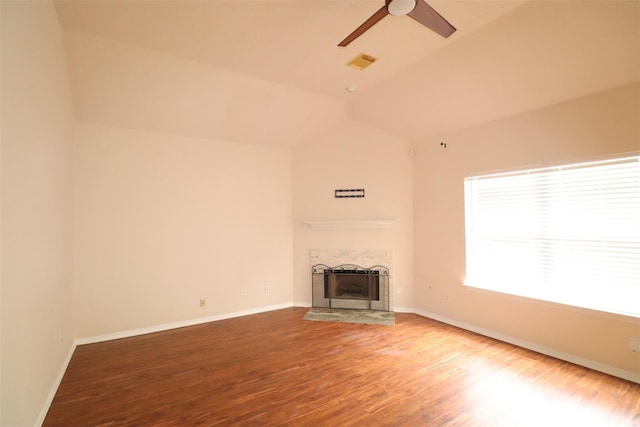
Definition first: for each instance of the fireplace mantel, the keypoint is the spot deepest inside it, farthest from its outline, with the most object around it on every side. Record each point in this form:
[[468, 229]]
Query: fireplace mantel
[[351, 224]]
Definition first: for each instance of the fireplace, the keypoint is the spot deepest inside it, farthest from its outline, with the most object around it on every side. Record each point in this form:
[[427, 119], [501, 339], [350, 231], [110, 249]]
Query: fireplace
[[350, 286]]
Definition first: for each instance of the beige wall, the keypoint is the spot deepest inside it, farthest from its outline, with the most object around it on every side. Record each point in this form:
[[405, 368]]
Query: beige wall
[[354, 156], [36, 209], [600, 124], [123, 85], [162, 221]]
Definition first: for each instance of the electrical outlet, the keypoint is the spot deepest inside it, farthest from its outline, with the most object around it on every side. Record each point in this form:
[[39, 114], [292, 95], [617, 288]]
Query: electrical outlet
[[203, 302], [267, 289], [398, 290], [243, 292], [60, 337], [446, 297]]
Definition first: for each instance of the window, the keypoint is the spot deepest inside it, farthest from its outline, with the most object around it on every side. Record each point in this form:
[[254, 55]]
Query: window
[[568, 234]]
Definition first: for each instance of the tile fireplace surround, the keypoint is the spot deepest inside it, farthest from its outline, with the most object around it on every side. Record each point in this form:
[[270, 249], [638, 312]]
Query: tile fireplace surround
[[361, 257]]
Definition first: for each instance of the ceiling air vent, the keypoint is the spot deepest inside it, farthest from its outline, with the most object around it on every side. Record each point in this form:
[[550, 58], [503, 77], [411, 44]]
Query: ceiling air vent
[[361, 61]]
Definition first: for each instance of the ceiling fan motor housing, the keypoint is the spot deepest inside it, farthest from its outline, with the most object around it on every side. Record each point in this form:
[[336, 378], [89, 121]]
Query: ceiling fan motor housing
[[400, 7]]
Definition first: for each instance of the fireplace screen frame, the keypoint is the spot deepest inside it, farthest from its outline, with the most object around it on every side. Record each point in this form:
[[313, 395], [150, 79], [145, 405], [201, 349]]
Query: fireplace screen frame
[[362, 288]]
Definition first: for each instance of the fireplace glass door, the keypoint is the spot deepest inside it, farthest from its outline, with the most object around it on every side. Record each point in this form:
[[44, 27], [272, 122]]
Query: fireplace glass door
[[352, 284]]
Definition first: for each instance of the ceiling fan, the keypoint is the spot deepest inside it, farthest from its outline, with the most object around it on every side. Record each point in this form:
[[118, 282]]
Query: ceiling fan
[[416, 9]]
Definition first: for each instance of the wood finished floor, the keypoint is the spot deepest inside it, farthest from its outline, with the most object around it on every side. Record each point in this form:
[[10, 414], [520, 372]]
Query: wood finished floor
[[275, 369]]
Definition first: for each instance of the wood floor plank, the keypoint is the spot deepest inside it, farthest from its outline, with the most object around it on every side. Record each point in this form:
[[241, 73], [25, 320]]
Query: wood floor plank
[[275, 369]]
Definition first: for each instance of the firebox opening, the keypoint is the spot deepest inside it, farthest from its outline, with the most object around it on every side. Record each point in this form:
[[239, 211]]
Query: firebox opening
[[352, 284]]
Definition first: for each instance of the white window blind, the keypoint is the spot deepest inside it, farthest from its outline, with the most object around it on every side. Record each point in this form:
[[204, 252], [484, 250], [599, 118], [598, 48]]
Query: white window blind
[[568, 234]]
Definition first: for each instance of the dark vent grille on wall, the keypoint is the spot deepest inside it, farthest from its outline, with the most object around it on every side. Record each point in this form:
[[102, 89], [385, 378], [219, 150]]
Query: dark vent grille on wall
[[350, 193]]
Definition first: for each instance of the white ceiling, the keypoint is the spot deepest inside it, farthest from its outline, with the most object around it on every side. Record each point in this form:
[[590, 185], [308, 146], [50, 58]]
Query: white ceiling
[[269, 72]]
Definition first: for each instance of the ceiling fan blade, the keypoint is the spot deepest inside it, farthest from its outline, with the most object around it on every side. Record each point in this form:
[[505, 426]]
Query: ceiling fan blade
[[376, 17], [427, 16]]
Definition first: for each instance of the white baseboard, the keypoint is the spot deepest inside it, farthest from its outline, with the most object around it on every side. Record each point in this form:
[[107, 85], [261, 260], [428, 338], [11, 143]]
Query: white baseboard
[[588, 363], [301, 304], [180, 324], [54, 387]]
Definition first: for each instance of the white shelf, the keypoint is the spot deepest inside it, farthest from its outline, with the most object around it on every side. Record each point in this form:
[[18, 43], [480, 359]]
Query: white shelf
[[351, 224]]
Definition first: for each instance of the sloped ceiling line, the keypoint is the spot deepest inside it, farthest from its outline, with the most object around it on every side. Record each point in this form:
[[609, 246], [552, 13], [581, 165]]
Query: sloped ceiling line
[[269, 73]]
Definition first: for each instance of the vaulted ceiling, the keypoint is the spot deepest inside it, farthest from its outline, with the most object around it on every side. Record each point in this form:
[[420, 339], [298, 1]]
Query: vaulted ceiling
[[270, 72]]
